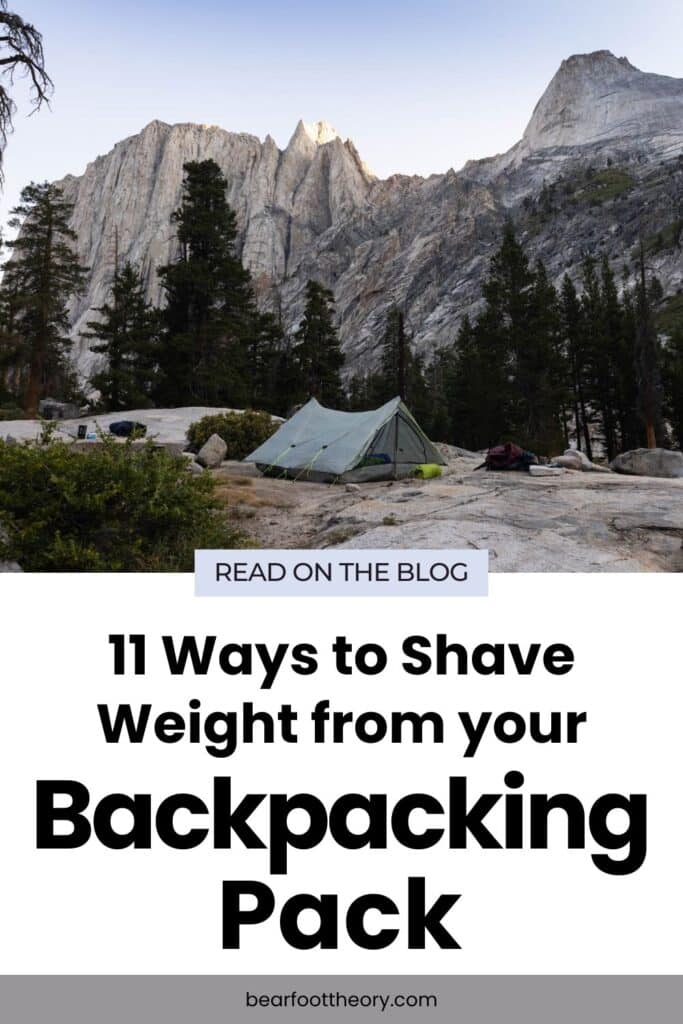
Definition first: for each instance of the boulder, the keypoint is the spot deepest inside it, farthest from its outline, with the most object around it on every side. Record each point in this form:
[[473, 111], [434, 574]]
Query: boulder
[[51, 409], [353, 488], [658, 462], [581, 456], [569, 460], [212, 453]]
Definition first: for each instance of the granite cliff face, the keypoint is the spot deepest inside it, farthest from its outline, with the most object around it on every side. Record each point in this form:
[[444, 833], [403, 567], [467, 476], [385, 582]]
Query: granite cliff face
[[600, 162]]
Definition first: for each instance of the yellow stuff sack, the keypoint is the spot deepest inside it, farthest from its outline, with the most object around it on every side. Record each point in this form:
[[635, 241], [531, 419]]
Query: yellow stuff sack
[[427, 470]]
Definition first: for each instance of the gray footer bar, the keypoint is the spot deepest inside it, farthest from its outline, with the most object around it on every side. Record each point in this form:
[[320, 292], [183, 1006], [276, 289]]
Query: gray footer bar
[[471, 999]]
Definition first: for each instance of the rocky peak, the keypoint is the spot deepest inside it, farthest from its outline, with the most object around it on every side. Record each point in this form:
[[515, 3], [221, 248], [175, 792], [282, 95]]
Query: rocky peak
[[321, 132], [308, 137], [597, 97], [313, 210]]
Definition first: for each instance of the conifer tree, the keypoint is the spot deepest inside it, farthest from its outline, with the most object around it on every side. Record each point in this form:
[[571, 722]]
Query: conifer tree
[[600, 370], [358, 398], [395, 355], [572, 331], [210, 315], [647, 359], [478, 386], [438, 379], [41, 277], [673, 385], [126, 331], [540, 382], [268, 384], [316, 353], [400, 373], [517, 356]]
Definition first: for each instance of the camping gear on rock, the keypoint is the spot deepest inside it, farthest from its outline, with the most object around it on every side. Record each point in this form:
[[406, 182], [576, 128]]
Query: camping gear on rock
[[508, 456], [82, 431], [427, 471], [330, 445], [126, 428]]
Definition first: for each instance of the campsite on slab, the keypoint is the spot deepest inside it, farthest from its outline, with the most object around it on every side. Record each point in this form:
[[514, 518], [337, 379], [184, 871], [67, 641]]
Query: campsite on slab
[[583, 519]]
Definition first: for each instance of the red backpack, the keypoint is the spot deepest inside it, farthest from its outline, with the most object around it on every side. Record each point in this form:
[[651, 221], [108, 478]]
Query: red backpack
[[508, 456]]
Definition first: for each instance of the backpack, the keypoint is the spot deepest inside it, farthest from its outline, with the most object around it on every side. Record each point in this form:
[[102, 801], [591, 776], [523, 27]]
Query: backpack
[[508, 456], [127, 428]]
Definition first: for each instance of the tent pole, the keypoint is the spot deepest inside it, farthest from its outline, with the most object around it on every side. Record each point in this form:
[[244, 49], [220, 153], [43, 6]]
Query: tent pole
[[396, 447]]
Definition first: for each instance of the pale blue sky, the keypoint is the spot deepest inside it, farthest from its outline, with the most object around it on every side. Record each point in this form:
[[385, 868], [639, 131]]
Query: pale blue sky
[[419, 87]]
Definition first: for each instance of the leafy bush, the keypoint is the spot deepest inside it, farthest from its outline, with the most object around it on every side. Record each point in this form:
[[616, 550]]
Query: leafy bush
[[115, 508], [241, 431]]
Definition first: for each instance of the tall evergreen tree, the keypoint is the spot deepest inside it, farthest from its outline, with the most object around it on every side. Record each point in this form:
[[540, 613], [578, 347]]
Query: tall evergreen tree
[[437, 417], [316, 354], [395, 355], [673, 385], [478, 385], [358, 397], [401, 371], [647, 359], [40, 278], [268, 384], [600, 368], [126, 331], [210, 315], [572, 331], [517, 353], [617, 345], [540, 382]]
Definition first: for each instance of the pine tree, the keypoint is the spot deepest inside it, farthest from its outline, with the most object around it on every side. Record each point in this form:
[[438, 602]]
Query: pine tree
[[673, 385], [268, 387], [316, 354], [540, 381], [437, 419], [358, 398], [401, 372], [10, 345], [40, 278], [630, 427], [210, 316], [600, 385], [127, 331], [518, 359], [478, 386], [572, 331], [395, 355], [507, 290], [647, 358]]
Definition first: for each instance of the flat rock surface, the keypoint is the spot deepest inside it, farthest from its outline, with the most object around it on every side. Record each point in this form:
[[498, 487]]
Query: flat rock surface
[[164, 425], [577, 522]]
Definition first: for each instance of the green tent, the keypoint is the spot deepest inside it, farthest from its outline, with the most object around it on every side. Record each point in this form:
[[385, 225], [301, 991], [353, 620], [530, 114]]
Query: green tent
[[326, 444]]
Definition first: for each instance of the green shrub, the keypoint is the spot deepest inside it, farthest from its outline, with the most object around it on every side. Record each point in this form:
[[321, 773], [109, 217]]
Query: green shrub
[[116, 508], [605, 185], [241, 431]]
